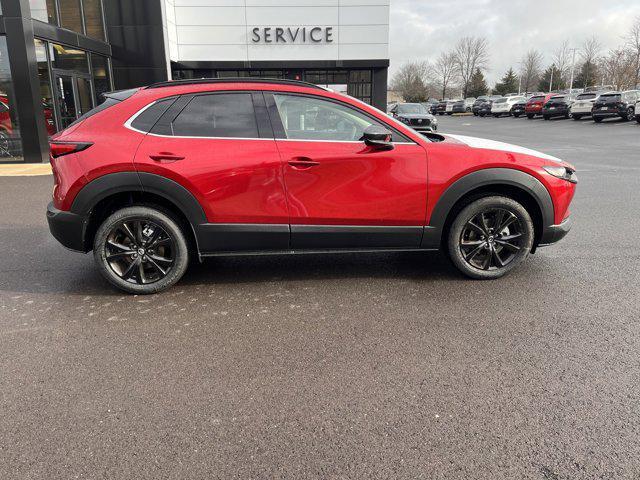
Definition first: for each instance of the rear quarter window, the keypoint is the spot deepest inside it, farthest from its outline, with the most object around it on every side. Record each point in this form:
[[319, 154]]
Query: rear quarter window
[[150, 115]]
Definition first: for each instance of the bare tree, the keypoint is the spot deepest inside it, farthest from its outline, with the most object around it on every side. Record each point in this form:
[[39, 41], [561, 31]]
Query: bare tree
[[590, 52], [619, 67], [445, 71], [531, 69], [470, 55], [562, 61], [411, 81], [633, 43]]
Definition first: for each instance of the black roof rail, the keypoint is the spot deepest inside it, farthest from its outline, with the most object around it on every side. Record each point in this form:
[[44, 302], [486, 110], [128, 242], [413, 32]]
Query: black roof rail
[[197, 81]]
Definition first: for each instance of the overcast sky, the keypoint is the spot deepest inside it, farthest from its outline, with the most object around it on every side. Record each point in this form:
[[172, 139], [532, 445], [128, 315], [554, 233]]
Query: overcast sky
[[421, 29]]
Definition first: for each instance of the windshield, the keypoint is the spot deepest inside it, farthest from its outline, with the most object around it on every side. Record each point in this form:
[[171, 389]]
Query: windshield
[[411, 108], [501, 100]]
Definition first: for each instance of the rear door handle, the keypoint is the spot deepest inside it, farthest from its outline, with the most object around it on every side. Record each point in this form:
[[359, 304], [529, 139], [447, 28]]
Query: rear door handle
[[302, 163], [166, 157]]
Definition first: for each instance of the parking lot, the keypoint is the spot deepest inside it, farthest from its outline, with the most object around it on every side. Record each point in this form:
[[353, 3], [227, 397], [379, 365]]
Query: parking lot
[[341, 366]]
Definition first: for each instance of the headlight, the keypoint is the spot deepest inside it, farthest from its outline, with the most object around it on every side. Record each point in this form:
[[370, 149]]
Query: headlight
[[562, 172]]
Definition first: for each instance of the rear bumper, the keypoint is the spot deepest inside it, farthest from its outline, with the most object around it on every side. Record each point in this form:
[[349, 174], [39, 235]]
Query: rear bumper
[[608, 113], [555, 233], [66, 227]]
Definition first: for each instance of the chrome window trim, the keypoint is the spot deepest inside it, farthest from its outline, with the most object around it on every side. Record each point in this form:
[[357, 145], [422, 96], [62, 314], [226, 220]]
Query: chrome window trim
[[128, 125]]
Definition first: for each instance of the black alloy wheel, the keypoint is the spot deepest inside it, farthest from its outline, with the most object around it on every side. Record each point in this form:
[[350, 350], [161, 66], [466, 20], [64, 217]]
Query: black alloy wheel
[[490, 237], [630, 113], [141, 249]]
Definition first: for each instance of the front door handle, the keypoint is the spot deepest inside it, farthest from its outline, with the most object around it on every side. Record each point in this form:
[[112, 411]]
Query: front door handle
[[166, 157], [302, 163]]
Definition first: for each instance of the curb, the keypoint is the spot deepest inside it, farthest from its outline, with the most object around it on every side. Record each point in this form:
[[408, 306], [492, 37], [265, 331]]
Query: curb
[[25, 170]]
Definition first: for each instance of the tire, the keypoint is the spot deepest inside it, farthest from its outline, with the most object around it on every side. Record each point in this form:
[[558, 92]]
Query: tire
[[577, 117], [483, 253], [120, 248], [638, 119], [5, 144], [481, 115], [546, 117], [496, 115], [597, 119], [516, 115], [530, 116], [630, 113]]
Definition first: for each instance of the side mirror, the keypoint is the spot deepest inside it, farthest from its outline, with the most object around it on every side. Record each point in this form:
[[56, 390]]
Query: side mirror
[[377, 137]]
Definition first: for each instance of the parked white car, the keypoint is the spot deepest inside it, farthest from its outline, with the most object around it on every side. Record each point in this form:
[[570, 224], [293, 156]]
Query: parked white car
[[449, 108], [503, 106], [638, 111], [583, 105]]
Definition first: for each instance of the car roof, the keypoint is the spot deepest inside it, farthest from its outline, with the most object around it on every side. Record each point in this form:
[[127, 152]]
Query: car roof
[[198, 81]]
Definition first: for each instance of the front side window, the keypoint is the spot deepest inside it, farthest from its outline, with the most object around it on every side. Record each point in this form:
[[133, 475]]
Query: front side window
[[218, 115], [308, 118]]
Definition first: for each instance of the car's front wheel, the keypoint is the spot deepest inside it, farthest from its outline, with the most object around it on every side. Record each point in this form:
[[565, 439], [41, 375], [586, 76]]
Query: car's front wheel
[[490, 237], [141, 250]]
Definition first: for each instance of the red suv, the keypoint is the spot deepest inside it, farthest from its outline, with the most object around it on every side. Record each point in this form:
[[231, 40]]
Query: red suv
[[534, 104], [158, 175]]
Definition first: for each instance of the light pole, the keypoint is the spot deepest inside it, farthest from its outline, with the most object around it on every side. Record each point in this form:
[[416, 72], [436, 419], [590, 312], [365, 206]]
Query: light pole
[[553, 67], [573, 64]]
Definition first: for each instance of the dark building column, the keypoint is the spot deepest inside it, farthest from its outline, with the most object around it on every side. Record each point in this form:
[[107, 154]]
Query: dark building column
[[24, 74], [379, 86], [135, 32]]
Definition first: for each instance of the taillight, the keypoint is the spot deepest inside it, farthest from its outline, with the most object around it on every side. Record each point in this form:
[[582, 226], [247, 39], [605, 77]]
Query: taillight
[[58, 149]]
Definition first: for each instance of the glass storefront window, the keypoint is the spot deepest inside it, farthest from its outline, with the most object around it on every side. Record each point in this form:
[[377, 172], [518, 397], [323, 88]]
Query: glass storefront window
[[44, 10], [101, 76], [93, 18], [10, 141], [45, 86], [71, 15], [68, 58]]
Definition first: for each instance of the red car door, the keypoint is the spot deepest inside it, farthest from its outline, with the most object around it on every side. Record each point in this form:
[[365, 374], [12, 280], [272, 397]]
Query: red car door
[[342, 193], [216, 145]]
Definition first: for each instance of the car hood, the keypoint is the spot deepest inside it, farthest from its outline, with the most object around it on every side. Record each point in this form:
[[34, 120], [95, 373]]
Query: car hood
[[415, 115], [485, 144]]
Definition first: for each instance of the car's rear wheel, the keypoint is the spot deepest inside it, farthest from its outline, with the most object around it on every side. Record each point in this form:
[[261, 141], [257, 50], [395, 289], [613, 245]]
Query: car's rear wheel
[[490, 237], [577, 117], [141, 250], [530, 116], [630, 113], [597, 119], [638, 119]]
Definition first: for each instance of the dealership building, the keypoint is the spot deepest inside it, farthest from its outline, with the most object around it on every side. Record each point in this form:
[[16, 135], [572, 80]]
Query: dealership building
[[58, 56]]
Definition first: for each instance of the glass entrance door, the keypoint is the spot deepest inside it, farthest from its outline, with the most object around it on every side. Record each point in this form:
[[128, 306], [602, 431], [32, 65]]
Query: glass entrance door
[[73, 97]]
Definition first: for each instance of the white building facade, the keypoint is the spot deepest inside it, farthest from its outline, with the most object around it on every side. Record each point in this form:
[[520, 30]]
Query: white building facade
[[343, 44]]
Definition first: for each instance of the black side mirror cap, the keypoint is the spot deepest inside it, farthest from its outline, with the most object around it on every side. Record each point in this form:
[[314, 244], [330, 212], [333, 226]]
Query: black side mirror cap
[[378, 137]]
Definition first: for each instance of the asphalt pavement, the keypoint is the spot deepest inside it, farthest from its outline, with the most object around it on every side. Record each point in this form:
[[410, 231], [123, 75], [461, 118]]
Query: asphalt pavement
[[343, 366]]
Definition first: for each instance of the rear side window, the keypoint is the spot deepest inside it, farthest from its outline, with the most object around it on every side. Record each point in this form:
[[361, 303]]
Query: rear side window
[[148, 117], [218, 115]]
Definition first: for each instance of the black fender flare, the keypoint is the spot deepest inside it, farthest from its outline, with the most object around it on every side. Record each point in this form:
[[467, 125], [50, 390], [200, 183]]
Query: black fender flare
[[113, 183], [483, 178], [110, 184]]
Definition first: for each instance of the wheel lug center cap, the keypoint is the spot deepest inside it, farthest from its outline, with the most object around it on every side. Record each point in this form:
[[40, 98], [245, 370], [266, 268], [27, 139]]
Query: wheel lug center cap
[[141, 251]]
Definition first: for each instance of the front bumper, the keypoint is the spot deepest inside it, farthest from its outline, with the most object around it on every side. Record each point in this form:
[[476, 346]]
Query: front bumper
[[68, 228], [555, 233]]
